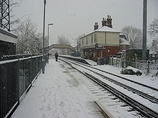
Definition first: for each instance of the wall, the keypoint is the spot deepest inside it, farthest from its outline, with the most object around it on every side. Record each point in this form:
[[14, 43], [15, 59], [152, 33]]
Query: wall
[[112, 39], [108, 44]]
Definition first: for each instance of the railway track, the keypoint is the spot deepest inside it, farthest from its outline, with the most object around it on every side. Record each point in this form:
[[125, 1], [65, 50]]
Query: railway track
[[144, 110]]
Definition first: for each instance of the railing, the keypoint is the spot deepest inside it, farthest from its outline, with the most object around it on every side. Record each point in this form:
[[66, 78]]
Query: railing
[[148, 67], [16, 77]]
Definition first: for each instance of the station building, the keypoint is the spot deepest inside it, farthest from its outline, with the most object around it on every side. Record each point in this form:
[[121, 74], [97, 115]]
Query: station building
[[102, 42]]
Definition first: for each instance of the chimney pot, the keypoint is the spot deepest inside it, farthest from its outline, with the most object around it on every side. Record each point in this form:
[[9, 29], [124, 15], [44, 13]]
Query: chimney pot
[[104, 22], [109, 21], [96, 26]]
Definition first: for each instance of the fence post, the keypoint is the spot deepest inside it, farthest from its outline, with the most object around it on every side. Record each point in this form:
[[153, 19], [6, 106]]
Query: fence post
[[112, 60], [30, 82], [148, 62], [17, 80], [36, 65]]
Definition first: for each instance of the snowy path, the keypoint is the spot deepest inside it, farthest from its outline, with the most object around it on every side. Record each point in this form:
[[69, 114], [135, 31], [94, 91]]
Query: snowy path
[[59, 93]]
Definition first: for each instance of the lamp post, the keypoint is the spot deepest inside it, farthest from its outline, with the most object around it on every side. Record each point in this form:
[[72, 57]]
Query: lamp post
[[43, 59], [48, 39], [144, 30]]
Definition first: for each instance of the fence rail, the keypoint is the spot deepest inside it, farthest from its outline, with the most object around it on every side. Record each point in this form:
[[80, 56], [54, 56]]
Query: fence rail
[[16, 78]]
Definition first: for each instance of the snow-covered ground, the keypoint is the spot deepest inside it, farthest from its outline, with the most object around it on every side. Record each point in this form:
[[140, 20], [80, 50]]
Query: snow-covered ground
[[145, 79], [59, 93], [62, 92]]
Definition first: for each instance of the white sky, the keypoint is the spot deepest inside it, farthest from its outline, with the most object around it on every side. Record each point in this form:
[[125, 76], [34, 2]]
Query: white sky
[[73, 18]]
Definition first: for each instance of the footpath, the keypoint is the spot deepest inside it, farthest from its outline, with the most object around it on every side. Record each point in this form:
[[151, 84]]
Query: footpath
[[59, 93]]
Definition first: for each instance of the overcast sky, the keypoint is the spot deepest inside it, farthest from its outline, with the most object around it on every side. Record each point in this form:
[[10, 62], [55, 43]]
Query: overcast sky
[[73, 18]]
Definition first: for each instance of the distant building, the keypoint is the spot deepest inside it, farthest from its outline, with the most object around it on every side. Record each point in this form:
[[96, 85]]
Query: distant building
[[102, 42], [124, 44], [8, 43]]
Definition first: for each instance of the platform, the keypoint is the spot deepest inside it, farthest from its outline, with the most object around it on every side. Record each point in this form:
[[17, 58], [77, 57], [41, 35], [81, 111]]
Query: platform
[[59, 93]]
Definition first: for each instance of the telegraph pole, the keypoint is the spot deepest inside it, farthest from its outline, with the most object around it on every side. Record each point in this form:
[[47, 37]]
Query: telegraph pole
[[43, 59], [144, 49]]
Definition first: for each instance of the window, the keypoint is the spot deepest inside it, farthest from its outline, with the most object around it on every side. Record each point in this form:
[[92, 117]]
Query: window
[[86, 40], [82, 41], [95, 37], [92, 39]]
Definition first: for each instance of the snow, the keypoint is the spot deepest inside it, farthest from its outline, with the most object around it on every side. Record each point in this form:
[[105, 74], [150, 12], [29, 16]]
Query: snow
[[104, 29], [148, 80], [8, 61], [58, 94], [134, 69], [62, 92], [107, 29], [124, 42], [91, 62]]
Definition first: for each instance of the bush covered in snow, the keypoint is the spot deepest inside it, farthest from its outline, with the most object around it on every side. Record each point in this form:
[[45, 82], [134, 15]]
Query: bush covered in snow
[[131, 71]]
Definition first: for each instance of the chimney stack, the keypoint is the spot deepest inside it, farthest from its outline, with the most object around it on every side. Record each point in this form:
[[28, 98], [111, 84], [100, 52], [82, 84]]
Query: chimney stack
[[104, 22], [96, 26], [109, 21]]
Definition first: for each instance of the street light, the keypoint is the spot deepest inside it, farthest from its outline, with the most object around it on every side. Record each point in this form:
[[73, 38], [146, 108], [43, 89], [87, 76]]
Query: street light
[[48, 39], [48, 32], [43, 60]]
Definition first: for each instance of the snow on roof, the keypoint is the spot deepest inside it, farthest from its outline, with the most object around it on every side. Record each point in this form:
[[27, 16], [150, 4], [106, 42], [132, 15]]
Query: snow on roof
[[7, 33], [106, 29], [103, 29], [124, 42], [7, 36]]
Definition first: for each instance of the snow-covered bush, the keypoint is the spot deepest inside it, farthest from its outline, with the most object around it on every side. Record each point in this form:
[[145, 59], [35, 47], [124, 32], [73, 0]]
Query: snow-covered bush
[[131, 71]]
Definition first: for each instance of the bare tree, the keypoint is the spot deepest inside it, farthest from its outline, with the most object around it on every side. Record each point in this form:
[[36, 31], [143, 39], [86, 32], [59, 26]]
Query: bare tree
[[153, 32], [133, 35], [28, 38], [154, 47], [153, 27], [63, 40], [78, 47]]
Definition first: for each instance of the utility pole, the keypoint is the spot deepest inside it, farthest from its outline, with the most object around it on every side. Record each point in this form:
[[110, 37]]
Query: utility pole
[[5, 14], [144, 49], [43, 59]]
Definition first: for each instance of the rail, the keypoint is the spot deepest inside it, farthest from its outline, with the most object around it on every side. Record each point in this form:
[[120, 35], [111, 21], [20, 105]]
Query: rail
[[145, 111]]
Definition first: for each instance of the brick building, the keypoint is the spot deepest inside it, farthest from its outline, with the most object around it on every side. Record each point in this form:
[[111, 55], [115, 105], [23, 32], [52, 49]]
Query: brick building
[[102, 42]]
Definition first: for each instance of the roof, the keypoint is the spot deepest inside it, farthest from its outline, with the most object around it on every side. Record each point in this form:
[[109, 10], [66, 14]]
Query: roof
[[124, 42], [106, 29], [8, 33], [103, 29], [7, 36]]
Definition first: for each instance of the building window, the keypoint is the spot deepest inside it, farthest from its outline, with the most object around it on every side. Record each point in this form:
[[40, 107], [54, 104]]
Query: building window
[[82, 41], [95, 37], [86, 40], [92, 39]]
